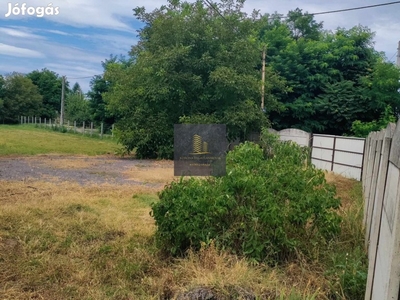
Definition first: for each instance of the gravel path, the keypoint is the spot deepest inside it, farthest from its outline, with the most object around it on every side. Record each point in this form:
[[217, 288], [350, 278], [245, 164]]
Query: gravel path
[[83, 170]]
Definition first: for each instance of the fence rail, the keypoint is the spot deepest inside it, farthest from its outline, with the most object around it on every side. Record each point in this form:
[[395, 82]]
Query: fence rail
[[85, 128]]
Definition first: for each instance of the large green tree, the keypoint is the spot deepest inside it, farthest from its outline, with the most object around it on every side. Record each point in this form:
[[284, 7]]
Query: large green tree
[[77, 108], [49, 84], [18, 97], [335, 78], [189, 61], [99, 86]]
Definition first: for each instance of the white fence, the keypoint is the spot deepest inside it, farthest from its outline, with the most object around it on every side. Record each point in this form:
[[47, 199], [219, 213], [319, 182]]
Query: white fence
[[381, 187], [342, 155]]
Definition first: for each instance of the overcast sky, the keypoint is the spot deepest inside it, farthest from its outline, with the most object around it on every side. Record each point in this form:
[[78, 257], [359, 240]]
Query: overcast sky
[[85, 32]]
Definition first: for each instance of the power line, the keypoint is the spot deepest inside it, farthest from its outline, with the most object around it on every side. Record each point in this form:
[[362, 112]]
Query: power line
[[318, 13], [393, 56], [210, 5], [83, 77], [355, 8]]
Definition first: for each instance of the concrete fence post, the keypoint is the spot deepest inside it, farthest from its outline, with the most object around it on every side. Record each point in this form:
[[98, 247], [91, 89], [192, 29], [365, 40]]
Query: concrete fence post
[[83, 128], [91, 128], [101, 130]]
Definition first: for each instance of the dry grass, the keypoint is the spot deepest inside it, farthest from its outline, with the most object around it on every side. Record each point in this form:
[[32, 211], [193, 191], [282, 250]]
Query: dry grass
[[343, 186], [154, 174], [231, 277], [351, 210], [66, 241]]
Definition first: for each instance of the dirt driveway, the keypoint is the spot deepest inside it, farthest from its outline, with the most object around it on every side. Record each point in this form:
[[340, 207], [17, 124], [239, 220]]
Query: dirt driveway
[[87, 170]]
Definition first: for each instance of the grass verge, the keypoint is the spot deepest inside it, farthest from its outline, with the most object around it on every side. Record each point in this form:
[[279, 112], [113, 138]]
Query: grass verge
[[28, 140]]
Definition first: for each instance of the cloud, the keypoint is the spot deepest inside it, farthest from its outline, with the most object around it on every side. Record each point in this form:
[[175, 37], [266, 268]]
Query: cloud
[[111, 42], [20, 33], [57, 32], [18, 52], [74, 70]]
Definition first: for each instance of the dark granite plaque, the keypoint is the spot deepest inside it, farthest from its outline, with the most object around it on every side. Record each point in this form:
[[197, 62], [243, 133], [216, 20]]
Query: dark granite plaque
[[200, 149]]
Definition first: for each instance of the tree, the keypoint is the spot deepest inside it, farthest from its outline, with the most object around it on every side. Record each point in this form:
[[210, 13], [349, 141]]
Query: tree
[[188, 61], [76, 89], [303, 25], [2, 93], [382, 88], [77, 108], [331, 79], [49, 84], [363, 129], [98, 86], [20, 97]]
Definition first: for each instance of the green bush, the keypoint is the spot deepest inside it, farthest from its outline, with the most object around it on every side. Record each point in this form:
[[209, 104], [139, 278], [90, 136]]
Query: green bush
[[362, 129], [271, 205]]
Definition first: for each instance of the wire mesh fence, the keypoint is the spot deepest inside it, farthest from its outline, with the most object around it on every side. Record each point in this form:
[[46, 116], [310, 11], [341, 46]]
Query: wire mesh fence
[[79, 127]]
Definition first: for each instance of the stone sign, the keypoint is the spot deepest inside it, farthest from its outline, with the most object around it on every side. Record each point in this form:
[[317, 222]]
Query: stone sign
[[200, 149]]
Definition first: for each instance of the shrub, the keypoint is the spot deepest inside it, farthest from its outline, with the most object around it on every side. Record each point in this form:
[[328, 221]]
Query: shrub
[[362, 129], [269, 206]]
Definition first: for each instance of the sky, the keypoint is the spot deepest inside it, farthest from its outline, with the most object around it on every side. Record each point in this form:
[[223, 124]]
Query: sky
[[75, 36]]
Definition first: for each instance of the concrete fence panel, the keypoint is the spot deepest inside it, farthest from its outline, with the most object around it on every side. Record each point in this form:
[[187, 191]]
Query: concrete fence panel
[[381, 187]]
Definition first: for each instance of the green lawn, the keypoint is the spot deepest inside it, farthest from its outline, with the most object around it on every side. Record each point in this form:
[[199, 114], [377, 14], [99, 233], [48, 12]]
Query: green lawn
[[29, 140]]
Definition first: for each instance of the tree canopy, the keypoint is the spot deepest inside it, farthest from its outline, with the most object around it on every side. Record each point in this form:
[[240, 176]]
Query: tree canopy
[[194, 64], [18, 96], [189, 62], [49, 85]]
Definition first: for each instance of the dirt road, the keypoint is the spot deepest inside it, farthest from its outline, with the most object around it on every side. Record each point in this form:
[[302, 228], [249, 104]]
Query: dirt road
[[87, 170]]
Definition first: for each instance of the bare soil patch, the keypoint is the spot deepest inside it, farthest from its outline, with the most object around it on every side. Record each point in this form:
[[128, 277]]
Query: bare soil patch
[[86, 170]]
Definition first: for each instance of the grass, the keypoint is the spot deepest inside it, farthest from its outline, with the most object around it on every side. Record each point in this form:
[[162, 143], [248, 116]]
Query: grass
[[66, 241], [29, 140]]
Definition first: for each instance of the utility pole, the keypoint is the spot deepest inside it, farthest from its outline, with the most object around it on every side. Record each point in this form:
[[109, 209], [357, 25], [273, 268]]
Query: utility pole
[[263, 78], [62, 101], [398, 55]]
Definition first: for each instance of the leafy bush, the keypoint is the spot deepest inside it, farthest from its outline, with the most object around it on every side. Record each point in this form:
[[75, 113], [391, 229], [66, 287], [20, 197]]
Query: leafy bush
[[362, 129], [271, 205], [153, 138]]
